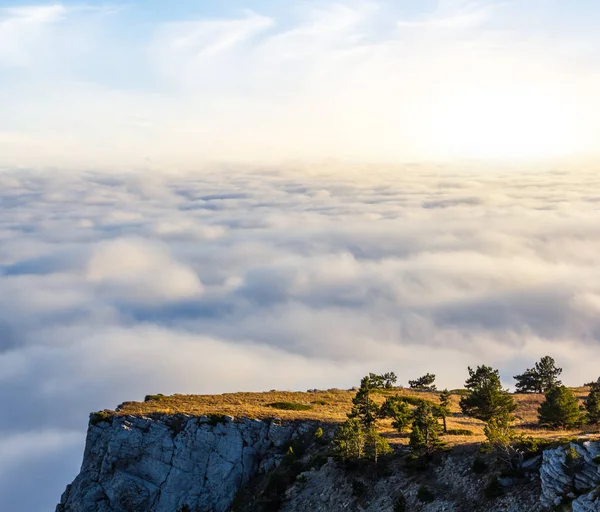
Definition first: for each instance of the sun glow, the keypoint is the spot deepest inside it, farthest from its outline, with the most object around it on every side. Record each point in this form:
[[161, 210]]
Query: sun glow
[[506, 122]]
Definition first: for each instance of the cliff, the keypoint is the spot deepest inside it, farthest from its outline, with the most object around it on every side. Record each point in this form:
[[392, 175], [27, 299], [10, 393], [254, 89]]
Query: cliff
[[174, 463], [180, 463]]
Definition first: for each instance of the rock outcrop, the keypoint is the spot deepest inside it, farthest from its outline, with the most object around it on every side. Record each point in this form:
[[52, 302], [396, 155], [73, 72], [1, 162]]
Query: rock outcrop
[[571, 473], [181, 463], [173, 463]]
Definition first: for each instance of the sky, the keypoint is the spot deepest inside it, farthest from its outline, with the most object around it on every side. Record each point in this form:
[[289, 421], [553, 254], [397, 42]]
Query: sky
[[159, 84], [210, 196]]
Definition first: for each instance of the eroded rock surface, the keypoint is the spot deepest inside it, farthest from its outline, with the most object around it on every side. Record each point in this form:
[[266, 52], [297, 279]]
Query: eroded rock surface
[[142, 464], [570, 473]]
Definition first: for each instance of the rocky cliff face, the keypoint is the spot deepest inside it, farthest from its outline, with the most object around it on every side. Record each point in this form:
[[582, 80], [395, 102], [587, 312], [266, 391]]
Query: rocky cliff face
[[173, 463], [571, 473], [200, 464]]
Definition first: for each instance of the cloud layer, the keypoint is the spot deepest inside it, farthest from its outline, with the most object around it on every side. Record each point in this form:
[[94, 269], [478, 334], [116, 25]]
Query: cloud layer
[[113, 287]]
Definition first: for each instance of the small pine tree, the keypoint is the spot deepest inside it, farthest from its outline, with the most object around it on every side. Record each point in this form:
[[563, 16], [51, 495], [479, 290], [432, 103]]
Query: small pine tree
[[487, 399], [396, 408], [424, 382], [592, 403], [349, 440], [560, 409], [539, 379], [375, 445], [363, 406], [389, 379], [500, 437], [444, 408], [353, 441], [424, 438]]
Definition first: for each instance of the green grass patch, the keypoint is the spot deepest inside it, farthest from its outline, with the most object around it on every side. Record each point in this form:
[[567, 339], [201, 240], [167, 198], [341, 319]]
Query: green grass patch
[[459, 432], [290, 406]]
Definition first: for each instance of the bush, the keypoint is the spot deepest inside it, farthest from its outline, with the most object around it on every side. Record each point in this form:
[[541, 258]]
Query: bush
[[425, 495], [319, 434], [493, 489], [290, 406], [596, 459], [571, 456], [184, 508], [459, 432], [359, 488], [154, 398], [400, 504], [215, 419], [320, 402], [479, 466], [317, 461], [460, 392], [98, 417]]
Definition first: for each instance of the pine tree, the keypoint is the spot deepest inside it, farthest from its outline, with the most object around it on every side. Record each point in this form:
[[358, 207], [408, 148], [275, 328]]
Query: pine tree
[[349, 440], [424, 438], [389, 379], [375, 445], [502, 439], [539, 379], [560, 409], [424, 382], [363, 406], [487, 399], [444, 408], [396, 408], [592, 403]]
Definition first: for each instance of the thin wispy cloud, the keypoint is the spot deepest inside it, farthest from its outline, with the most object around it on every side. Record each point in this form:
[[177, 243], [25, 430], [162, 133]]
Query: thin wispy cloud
[[385, 81]]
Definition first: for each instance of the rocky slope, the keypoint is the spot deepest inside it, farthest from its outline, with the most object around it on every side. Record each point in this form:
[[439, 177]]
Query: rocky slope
[[198, 464]]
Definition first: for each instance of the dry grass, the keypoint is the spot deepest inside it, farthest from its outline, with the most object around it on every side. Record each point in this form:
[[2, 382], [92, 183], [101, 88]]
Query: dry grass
[[332, 406]]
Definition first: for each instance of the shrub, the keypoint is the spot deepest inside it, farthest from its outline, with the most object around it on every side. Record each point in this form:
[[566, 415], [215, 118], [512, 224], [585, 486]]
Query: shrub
[[176, 423], [571, 456], [184, 508], [460, 432], [98, 417], [560, 409], [215, 419], [493, 489], [460, 392], [290, 406], [154, 398], [359, 488], [320, 402], [596, 459], [425, 495], [318, 434], [317, 460], [400, 504], [479, 465]]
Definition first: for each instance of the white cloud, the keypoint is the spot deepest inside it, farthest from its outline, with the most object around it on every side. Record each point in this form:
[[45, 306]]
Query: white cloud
[[115, 286], [138, 270]]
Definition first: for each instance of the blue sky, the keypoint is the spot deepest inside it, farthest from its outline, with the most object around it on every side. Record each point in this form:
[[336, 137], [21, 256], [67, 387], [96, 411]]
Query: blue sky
[[158, 85]]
